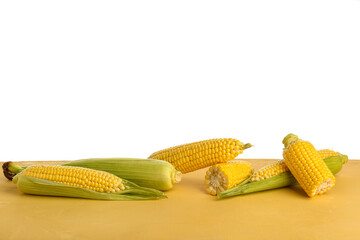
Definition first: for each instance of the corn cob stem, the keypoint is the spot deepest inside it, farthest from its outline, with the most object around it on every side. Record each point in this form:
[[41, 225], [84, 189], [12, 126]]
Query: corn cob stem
[[10, 169], [285, 179]]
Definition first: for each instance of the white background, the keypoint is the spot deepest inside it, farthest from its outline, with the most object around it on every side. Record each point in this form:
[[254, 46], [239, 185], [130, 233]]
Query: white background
[[81, 79]]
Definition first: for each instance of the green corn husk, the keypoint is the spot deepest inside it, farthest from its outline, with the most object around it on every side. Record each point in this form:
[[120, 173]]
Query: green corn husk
[[151, 173], [285, 179], [38, 186]]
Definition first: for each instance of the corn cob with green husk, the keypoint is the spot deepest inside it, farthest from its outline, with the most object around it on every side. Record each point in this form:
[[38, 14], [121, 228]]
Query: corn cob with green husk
[[77, 182], [150, 173], [334, 163], [193, 156]]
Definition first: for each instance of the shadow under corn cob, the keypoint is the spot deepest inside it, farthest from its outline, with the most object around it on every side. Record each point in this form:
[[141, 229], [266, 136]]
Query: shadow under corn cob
[[193, 156], [285, 179]]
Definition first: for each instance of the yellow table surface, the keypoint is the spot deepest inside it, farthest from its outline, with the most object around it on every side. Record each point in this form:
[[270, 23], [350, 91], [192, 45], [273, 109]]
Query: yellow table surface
[[188, 213]]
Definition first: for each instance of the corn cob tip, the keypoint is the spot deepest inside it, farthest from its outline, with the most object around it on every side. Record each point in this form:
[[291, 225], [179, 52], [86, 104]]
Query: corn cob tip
[[247, 145], [289, 139], [9, 175]]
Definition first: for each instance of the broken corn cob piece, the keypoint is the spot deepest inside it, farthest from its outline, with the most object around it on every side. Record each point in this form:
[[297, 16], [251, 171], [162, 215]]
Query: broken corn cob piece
[[279, 167], [306, 165], [193, 156], [223, 176], [80, 182]]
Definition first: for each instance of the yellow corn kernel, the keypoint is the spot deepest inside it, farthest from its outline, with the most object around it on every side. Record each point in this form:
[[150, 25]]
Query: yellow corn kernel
[[307, 166], [94, 180], [223, 176], [279, 167], [193, 156]]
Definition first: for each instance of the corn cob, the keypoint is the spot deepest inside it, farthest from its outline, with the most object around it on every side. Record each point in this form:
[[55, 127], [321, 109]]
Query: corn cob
[[306, 165], [150, 173], [193, 156], [80, 182], [324, 153], [285, 179], [279, 167], [223, 176]]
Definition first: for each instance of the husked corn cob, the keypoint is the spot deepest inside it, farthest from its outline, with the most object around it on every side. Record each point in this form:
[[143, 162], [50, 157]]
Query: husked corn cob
[[223, 176], [307, 166], [193, 156], [279, 167], [80, 182]]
